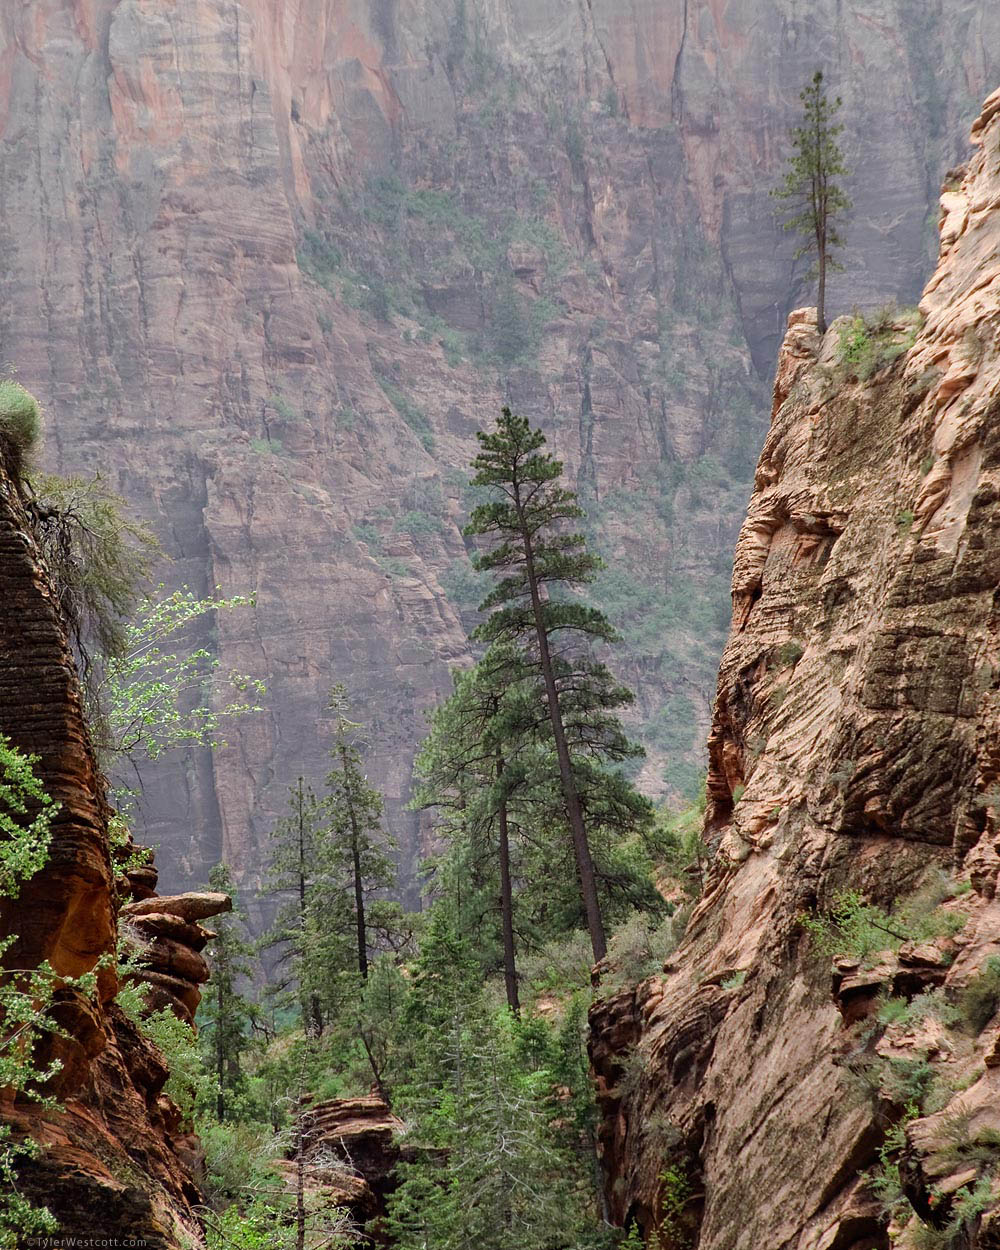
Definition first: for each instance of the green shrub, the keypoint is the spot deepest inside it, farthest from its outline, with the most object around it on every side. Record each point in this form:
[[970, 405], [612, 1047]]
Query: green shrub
[[238, 1156], [885, 1182], [968, 1204], [680, 847], [366, 533], [26, 812], [855, 927], [561, 964], [411, 414], [906, 1082], [419, 523], [188, 1083], [637, 949], [464, 586], [676, 1192], [790, 653], [266, 446], [20, 418], [283, 408], [980, 1000], [933, 1004], [98, 558], [866, 345]]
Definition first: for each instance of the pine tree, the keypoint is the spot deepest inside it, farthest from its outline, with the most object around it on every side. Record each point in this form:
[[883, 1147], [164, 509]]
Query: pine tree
[[378, 1017], [538, 559], [811, 184], [308, 927], [470, 773], [486, 1168], [225, 1015], [361, 847]]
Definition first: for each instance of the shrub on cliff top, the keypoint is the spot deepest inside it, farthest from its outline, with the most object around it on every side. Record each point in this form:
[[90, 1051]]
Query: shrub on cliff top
[[98, 557], [20, 417]]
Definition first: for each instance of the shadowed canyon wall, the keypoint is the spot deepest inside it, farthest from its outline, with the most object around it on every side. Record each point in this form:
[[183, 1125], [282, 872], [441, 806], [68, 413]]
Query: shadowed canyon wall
[[853, 745], [270, 264]]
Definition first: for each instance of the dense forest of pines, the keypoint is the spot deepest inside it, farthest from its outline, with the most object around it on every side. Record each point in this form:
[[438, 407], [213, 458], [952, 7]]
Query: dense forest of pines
[[468, 1018]]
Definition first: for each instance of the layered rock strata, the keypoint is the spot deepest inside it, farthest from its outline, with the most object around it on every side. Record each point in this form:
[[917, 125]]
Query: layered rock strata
[[853, 748], [351, 1152], [167, 941], [117, 1160]]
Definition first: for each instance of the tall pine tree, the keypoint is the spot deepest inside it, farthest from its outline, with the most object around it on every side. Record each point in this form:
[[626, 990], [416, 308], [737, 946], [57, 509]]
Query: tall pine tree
[[309, 925], [812, 185], [539, 559], [226, 1015], [361, 848], [470, 771]]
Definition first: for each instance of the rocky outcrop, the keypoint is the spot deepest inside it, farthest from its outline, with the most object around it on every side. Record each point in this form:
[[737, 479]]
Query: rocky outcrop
[[350, 1154], [115, 1160], [852, 748], [166, 942], [271, 264]]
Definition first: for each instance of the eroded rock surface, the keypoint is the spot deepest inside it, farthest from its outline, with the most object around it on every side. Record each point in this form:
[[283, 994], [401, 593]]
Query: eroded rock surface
[[115, 1161], [350, 1153], [853, 745]]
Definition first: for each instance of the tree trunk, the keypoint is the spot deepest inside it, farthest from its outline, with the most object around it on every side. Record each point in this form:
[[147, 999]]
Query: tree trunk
[[300, 1170], [821, 293], [376, 1073], [312, 1012], [507, 906], [220, 1058], [359, 907], [359, 892], [581, 847], [820, 209]]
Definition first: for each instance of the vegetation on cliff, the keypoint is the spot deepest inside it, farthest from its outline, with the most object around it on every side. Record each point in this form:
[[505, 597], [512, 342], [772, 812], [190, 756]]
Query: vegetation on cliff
[[850, 816], [813, 186], [468, 1020], [29, 997]]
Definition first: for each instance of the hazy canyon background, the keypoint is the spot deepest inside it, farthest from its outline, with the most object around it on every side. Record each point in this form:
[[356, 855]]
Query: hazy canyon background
[[269, 265]]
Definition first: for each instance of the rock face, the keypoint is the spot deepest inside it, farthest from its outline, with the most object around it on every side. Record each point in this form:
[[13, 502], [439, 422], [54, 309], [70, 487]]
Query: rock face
[[351, 1153], [271, 264], [853, 745], [116, 1160]]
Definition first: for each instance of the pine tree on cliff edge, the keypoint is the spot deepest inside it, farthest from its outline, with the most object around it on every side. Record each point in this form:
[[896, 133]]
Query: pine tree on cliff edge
[[812, 188]]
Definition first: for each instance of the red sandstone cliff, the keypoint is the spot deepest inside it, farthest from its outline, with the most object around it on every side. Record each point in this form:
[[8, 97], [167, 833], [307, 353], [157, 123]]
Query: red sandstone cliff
[[117, 1160], [853, 745]]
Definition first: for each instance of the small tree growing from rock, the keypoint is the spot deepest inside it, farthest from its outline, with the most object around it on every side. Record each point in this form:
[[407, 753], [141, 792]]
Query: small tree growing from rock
[[811, 185]]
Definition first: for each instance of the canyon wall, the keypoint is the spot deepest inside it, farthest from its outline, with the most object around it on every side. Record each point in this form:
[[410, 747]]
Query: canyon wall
[[270, 264], [853, 746], [119, 1157]]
